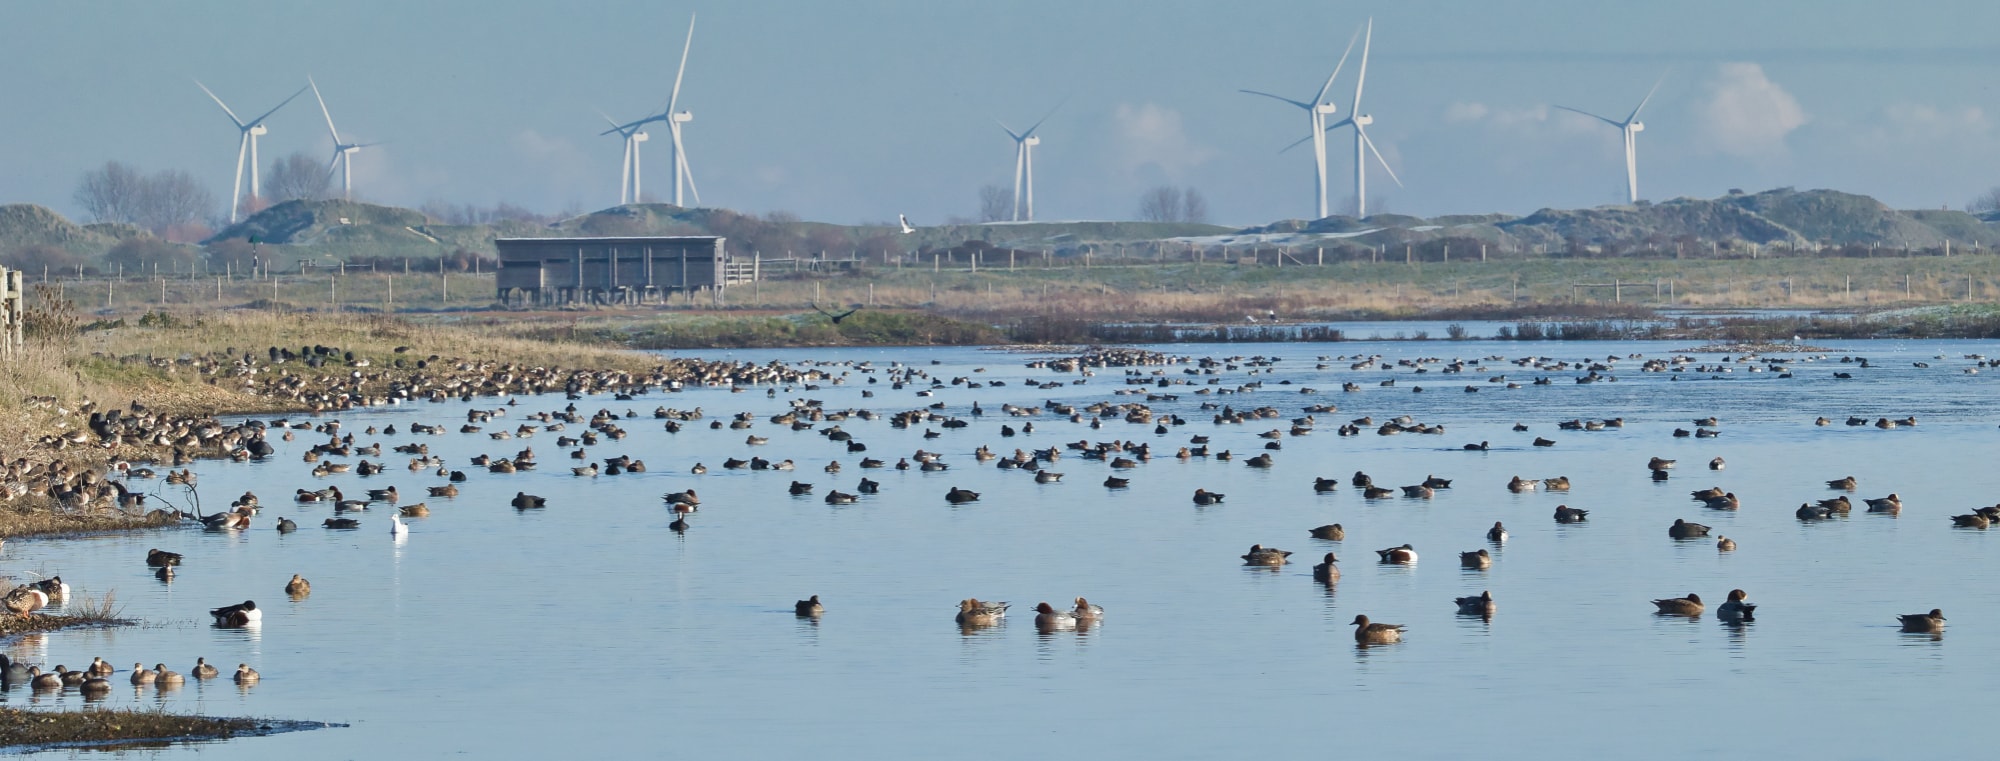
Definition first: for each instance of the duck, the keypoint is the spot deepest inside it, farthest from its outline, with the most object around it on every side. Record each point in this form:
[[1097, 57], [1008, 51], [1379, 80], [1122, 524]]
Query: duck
[[165, 573], [285, 526], [1114, 482], [972, 612], [40, 680], [870, 486], [959, 496], [341, 523], [1716, 464], [809, 607], [70, 678], [1567, 514], [1048, 617], [24, 600], [1969, 520], [1659, 463], [54, 587], [239, 615], [157, 558], [1402, 555], [246, 675], [298, 586], [165, 678], [1735, 609], [1844, 484], [1047, 477], [1497, 534], [1324, 485], [1685, 530], [1326, 570], [1261, 555], [524, 501], [1680, 606], [1518, 484], [838, 497], [1206, 497], [1923, 622], [205, 670], [143, 675], [1370, 633], [800, 488], [1482, 605], [1725, 544], [1558, 483], [1889, 504], [1479, 558], [13, 671], [99, 667], [447, 490], [383, 495], [1085, 611], [418, 510], [1330, 532], [1810, 512]]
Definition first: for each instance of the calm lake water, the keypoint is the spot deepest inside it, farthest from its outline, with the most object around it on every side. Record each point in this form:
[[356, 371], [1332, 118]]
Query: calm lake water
[[588, 628]]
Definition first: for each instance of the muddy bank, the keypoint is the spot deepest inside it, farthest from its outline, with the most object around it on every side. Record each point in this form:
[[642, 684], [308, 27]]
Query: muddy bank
[[25, 731]]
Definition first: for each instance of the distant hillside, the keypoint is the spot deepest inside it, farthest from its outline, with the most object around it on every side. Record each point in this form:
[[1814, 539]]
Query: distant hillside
[[1781, 216], [23, 225]]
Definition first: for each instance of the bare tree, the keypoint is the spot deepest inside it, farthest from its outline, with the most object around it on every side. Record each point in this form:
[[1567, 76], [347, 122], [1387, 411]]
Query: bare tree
[[1988, 201], [996, 202], [1194, 208], [1162, 203], [297, 177], [172, 198], [111, 193]]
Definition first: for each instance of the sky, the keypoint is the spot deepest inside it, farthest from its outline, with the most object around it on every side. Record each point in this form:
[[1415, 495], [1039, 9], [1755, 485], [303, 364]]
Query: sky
[[854, 112]]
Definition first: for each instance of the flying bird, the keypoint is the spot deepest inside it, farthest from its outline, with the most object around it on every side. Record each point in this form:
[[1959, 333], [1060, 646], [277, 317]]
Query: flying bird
[[836, 318], [907, 229]]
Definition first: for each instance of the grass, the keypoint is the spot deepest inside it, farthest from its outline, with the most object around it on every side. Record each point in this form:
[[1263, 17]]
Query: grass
[[105, 728]]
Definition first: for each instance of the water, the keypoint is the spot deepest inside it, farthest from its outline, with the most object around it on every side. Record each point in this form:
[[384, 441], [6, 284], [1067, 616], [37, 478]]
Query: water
[[589, 628]]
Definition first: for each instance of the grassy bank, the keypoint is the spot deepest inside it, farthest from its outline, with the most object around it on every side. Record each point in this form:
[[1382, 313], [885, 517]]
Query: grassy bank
[[112, 729]]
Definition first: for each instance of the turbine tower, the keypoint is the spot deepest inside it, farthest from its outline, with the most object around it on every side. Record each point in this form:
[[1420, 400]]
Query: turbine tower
[[1630, 129], [674, 120], [343, 153], [1316, 112], [628, 170], [1024, 164], [1362, 145], [250, 131]]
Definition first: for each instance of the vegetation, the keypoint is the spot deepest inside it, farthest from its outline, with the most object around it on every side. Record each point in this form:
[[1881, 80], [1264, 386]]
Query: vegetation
[[123, 728]]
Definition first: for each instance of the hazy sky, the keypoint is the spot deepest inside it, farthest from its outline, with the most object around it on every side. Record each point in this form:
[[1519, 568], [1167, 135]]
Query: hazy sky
[[856, 111]]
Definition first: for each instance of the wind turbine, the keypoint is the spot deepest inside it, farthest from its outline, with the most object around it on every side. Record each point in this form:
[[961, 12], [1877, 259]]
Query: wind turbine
[[628, 171], [343, 153], [1316, 111], [250, 130], [674, 120], [1362, 145], [1024, 163], [1630, 129]]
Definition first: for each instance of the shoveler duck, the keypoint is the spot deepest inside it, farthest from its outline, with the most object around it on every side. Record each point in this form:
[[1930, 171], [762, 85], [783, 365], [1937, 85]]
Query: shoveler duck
[[1206, 497], [242, 614], [1402, 555], [809, 607], [1496, 534], [246, 675], [1685, 530], [1735, 609], [1330, 532], [298, 586], [1326, 570], [1369, 633], [205, 670], [157, 558], [1923, 622], [1680, 606], [1480, 605], [54, 587], [1479, 558], [1567, 514], [1261, 555]]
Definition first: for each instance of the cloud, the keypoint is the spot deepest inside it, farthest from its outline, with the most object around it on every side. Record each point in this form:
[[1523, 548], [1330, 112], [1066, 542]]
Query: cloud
[[555, 161], [1499, 117], [1747, 114], [1150, 135]]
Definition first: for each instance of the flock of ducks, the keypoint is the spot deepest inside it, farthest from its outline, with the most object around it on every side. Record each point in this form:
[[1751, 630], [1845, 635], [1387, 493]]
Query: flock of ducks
[[1146, 373]]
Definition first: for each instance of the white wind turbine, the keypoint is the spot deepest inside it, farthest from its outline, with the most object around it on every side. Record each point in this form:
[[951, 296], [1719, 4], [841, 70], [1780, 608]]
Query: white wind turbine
[[628, 171], [674, 120], [343, 153], [250, 130], [1024, 164], [1317, 111], [1362, 145], [1630, 129]]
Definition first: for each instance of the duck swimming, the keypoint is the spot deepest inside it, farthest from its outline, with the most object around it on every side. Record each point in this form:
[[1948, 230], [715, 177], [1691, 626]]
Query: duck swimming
[[809, 607], [1370, 633], [243, 614], [1923, 622], [1481, 605], [1735, 609], [1680, 606], [1261, 555]]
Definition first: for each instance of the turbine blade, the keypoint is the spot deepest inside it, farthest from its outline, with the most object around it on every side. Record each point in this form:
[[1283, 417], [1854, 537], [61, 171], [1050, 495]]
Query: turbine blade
[[1339, 124], [1296, 143], [274, 109], [1591, 115], [1045, 117], [1337, 66], [687, 173], [1367, 37], [1649, 96], [1010, 133], [1306, 106], [323, 112], [674, 100], [1378, 155], [331, 164], [615, 127], [218, 101]]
